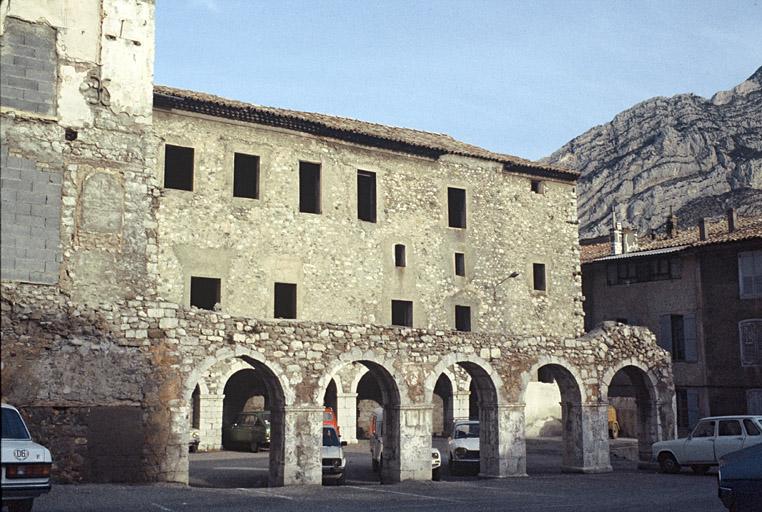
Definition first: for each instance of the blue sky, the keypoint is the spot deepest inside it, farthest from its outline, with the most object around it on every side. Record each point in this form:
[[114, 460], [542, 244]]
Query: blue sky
[[516, 77]]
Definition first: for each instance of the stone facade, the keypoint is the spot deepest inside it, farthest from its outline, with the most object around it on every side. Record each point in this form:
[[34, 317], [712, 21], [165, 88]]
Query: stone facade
[[98, 331]]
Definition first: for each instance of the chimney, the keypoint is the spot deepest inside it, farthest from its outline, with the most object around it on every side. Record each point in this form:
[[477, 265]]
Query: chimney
[[616, 235], [732, 220], [671, 224], [702, 229]]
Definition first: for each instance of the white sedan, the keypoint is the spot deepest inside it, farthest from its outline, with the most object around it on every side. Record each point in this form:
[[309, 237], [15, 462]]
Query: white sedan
[[711, 439], [463, 445], [26, 465]]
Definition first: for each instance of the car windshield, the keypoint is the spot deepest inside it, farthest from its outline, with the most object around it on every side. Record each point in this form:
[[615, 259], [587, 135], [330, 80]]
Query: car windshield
[[13, 426], [467, 430], [330, 438]]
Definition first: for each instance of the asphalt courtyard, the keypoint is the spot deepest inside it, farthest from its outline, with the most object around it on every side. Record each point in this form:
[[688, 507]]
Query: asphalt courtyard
[[236, 481]]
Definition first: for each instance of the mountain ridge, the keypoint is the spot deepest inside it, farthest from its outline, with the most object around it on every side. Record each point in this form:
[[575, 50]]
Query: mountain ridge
[[696, 156]]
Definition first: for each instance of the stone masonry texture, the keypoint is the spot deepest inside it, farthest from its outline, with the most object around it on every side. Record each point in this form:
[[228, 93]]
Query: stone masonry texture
[[106, 338]]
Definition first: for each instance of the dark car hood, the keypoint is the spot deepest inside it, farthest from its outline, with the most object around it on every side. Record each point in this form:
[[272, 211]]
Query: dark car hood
[[744, 464]]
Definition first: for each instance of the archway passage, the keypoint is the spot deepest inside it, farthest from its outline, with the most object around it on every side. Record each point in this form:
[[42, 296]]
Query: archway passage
[[330, 398], [442, 413], [560, 447], [633, 397], [252, 419], [369, 398], [463, 456]]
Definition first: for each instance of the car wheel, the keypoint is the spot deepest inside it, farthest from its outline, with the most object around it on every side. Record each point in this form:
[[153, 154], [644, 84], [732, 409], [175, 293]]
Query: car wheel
[[254, 446], [700, 469], [668, 463], [342, 479], [20, 505], [436, 474], [374, 464], [193, 448]]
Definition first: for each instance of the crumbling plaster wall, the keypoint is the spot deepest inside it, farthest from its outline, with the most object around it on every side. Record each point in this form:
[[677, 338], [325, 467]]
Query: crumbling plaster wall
[[77, 169], [344, 267]]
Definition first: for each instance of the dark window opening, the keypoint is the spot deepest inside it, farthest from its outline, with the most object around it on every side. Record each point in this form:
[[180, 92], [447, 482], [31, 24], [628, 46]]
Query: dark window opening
[[178, 167], [70, 135], [285, 300], [205, 292], [462, 318], [460, 264], [399, 255], [366, 196], [678, 337], [456, 207], [402, 313], [246, 176], [538, 276], [538, 187], [309, 187], [656, 269]]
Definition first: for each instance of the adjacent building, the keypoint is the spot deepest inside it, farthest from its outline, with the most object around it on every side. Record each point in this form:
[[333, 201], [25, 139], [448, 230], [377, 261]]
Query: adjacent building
[[700, 291]]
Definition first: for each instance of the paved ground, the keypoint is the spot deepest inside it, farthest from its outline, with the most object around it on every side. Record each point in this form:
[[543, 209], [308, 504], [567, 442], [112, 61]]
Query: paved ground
[[234, 481]]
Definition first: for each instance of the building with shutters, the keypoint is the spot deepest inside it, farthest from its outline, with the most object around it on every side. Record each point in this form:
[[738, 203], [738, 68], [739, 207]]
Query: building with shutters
[[700, 291]]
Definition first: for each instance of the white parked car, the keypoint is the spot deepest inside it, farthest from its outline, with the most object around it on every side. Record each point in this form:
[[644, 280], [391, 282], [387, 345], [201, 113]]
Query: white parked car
[[463, 445], [377, 446], [26, 465], [332, 453], [711, 439]]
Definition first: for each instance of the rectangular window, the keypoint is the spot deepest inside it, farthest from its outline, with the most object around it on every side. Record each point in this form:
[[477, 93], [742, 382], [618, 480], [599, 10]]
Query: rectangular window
[[538, 187], [750, 334], [456, 207], [205, 292], [538, 276], [402, 313], [460, 264], [688, 411], [366, 196], [643, 271], [462, 318], [178, 167], [754, 401], [246, 176], [678, 337], [285, 300], [399, 255], [750, 274], [309, 187]]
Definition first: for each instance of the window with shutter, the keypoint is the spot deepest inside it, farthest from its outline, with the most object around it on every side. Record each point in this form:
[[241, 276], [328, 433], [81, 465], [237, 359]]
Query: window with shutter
[[689, 338], [665, 332], [750, 335], [750, 274]]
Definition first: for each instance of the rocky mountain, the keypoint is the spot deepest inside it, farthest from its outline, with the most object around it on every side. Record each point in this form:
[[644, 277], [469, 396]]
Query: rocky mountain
[[698, 156]]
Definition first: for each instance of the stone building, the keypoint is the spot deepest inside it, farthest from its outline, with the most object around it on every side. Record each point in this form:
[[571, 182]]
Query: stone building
[[700, 291], [158, 242]]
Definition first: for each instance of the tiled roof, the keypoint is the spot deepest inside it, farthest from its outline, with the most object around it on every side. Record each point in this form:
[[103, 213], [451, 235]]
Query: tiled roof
[[747, 228], [405, 140]]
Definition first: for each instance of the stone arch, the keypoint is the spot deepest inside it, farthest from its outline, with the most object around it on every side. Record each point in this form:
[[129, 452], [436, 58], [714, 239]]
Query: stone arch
[[551, 369], [637, 379], [280, 393], [391, 386], [488, 384], [443, 399], [570, 376]]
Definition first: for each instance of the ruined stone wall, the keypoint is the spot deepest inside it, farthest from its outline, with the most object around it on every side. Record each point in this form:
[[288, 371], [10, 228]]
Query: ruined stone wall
[[79, 370], [344, 267]]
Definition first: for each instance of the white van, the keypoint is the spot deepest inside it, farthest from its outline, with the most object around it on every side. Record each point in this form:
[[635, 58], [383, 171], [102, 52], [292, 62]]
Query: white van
[[377, 445]]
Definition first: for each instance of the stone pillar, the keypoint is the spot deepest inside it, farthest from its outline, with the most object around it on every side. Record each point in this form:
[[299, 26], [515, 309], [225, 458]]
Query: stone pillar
[[295, 446], [502, 443], [346, 403], [173, 466], [210, 421], [459, 405], [586, 438], [414, 461]]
